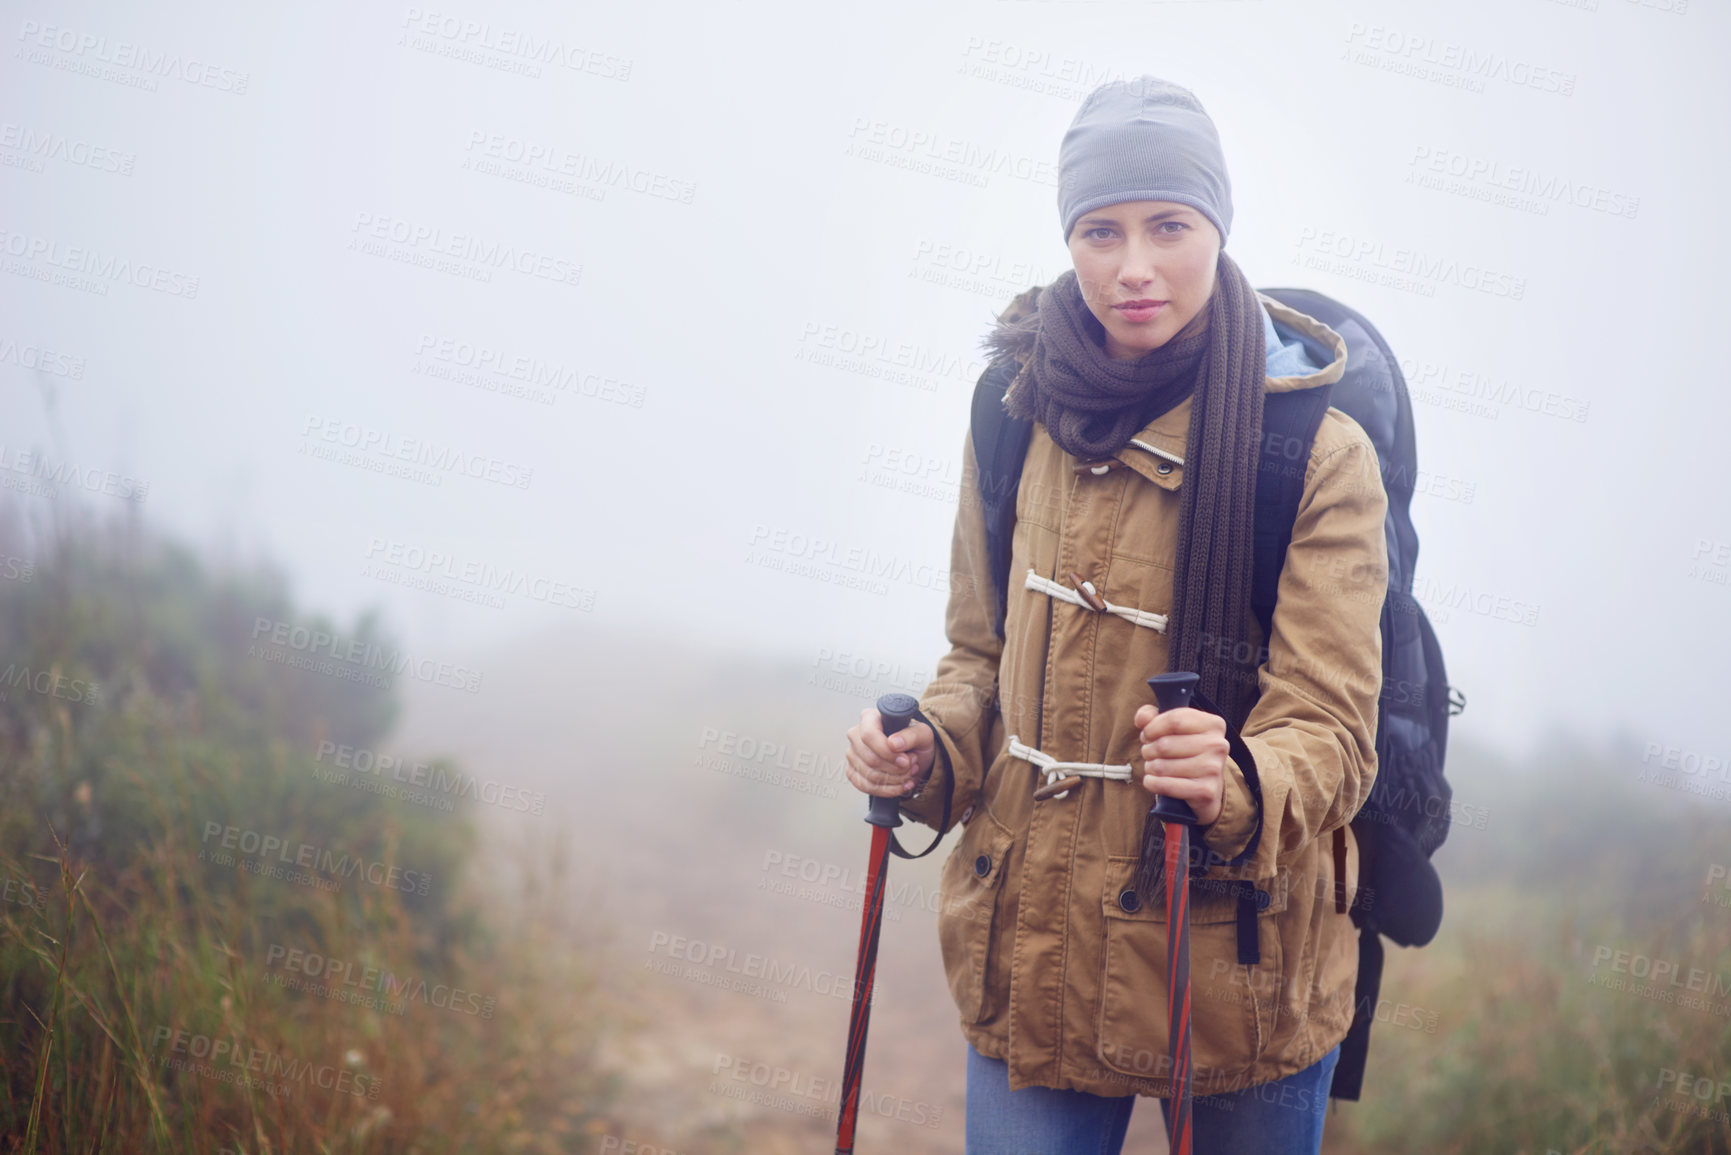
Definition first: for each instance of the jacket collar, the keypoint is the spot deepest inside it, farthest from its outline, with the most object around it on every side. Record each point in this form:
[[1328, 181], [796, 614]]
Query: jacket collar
[[1161, 442]]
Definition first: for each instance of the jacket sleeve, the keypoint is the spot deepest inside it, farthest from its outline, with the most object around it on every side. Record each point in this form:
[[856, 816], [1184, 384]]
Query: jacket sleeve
[[1312, 734], [961, 701]]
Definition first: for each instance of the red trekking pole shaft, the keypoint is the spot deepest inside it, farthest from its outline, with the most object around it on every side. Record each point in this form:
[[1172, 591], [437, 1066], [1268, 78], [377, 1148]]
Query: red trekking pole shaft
[[1171, 692], [883, 814]]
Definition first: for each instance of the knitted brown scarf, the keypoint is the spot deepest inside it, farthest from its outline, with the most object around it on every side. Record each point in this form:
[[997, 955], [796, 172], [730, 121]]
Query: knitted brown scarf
[[1092, 405]]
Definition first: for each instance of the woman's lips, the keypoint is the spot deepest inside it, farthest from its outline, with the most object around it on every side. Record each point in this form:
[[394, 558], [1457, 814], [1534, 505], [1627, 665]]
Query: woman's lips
[[1141, 310]]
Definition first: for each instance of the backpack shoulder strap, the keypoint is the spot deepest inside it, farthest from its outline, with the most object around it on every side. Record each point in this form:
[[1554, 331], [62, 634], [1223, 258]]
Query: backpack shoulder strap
[[1289, 424], [1355, 1048], [1000, 445]]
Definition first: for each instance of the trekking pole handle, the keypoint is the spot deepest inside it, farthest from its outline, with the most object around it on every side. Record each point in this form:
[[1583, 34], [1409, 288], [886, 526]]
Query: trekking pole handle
[[1172, 692], [897, 710]]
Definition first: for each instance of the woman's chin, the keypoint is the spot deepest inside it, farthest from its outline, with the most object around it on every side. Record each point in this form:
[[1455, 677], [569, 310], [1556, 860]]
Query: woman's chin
[[1138, 341]]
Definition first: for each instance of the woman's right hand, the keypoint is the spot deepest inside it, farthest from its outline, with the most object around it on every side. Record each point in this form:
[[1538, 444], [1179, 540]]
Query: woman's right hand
[[893, 766]]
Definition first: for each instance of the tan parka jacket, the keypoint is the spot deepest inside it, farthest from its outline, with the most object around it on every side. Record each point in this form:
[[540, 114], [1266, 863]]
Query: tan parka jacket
[[1055, 964]]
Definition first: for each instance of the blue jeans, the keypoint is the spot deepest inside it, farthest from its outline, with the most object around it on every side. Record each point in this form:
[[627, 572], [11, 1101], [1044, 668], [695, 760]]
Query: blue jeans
[[1283, 1117]]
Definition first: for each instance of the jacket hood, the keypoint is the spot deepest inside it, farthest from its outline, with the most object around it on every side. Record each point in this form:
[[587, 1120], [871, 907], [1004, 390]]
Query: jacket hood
[[1017, 326]]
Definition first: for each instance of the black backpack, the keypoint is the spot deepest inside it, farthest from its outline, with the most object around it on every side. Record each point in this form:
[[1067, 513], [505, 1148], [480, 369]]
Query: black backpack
[[1407, 815]]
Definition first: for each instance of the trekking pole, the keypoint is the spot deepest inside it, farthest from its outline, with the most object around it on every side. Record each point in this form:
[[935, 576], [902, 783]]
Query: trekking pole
[[1171, 692], [883, 814]]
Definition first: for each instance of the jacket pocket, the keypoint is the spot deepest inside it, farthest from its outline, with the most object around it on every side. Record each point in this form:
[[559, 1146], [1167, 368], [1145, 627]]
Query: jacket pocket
[[971, 886], [1233, 1008]]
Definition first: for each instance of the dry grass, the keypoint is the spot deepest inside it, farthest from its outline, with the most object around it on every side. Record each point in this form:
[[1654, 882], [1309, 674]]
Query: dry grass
[[138, 1011]]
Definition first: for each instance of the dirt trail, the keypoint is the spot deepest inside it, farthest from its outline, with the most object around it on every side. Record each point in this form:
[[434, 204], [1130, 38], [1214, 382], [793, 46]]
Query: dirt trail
[[724, 854]]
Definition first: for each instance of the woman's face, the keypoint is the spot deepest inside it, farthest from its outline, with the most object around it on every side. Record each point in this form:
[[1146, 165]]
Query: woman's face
[[1158, 255]]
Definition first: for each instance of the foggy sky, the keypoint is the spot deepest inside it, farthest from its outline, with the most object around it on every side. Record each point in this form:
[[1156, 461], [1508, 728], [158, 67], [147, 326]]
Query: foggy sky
[[691, 207]]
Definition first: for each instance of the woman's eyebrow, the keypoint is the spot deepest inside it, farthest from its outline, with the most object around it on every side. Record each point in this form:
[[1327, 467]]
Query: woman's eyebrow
[[1148, 220]]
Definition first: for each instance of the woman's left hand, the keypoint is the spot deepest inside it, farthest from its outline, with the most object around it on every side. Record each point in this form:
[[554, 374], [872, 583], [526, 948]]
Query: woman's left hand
[[1184, 755]]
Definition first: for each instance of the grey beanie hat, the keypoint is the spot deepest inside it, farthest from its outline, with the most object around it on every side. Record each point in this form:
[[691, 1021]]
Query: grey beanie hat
[[1143, 140]]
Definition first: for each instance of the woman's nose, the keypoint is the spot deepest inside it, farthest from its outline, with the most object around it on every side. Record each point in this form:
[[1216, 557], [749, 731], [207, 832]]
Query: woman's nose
[[1137, 267]]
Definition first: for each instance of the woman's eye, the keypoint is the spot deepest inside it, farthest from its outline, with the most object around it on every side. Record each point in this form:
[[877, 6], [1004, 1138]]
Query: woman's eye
[[1181, 226], [1098, 229]]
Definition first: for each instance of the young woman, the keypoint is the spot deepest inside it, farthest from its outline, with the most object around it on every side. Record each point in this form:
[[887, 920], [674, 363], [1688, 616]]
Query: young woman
[[1145, 370]]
